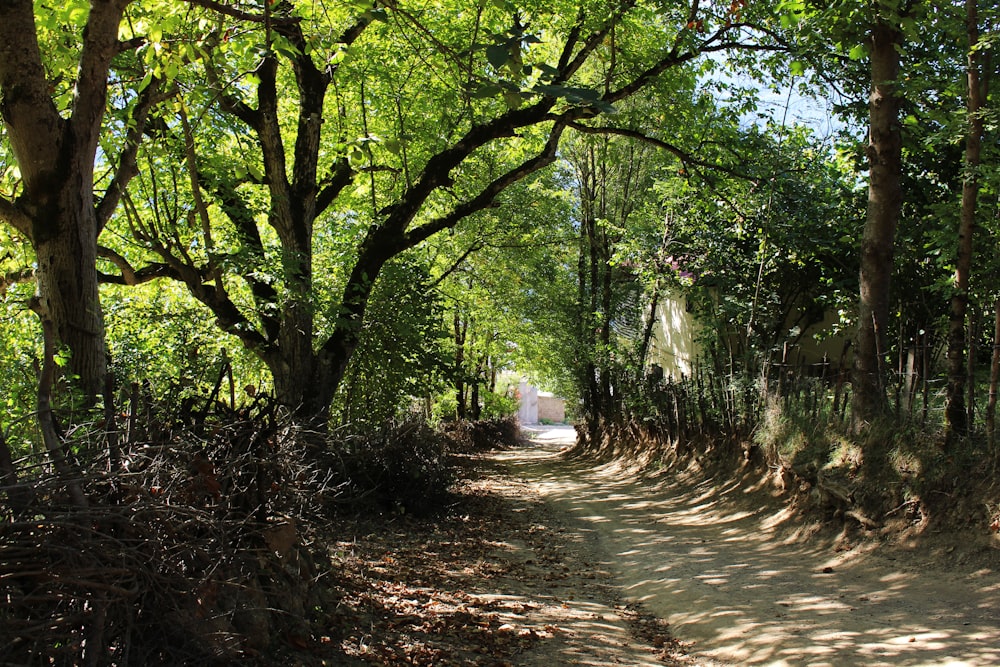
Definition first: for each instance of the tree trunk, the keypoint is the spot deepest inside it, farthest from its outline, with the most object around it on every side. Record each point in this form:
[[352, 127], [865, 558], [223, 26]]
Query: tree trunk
[[607, 393], [884, 202], [991, 406], [460, 402], [959, 423], [67, 285], [475, 409], [63, 465]]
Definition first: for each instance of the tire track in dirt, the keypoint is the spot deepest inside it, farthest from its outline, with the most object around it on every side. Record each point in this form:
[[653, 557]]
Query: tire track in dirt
[[739, 585]]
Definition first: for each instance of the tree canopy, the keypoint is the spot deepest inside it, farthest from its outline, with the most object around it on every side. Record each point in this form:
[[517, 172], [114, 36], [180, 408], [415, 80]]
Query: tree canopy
[[410, 196]]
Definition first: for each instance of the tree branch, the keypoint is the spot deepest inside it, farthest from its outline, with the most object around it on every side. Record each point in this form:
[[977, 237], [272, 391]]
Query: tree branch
[[487, 196], [15, 217], [592, 42], [437, 170], [713, 44], [331, 188], [244, 222], [235, 13], [229, 318], [15, 277], [475, 247], [100, 45], [129, 275], [150, 96], [678, 152]]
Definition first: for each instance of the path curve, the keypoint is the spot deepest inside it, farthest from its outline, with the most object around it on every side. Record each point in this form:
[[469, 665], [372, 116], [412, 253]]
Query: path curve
[[737, 586]]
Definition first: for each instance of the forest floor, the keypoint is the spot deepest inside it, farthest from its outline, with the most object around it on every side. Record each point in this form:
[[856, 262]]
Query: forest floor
[[545, 560]]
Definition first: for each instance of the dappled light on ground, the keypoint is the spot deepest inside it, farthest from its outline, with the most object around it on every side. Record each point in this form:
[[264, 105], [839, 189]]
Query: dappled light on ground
[[722, 569], [497, 581]]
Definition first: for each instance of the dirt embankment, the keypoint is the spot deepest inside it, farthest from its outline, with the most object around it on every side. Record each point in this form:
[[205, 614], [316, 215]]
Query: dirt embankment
[[740, 583]]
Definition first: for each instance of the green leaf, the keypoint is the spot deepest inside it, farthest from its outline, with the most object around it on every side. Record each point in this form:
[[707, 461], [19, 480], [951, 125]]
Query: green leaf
[[392, 145], [513, 100], [497, 55], [486, 90], [78, 16]]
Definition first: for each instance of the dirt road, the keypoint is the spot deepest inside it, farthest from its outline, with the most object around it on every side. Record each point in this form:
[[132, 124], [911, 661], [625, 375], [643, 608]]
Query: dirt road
[[739, 586]]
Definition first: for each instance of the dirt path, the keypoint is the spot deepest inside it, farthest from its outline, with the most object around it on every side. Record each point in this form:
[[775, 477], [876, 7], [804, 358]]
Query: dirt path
[[735, 584]]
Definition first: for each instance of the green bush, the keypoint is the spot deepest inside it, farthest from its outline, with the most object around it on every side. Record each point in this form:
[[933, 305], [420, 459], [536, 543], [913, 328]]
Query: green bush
[[498, 406]]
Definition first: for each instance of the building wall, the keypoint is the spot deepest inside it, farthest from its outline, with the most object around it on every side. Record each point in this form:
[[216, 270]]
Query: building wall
[[537, 405], [527, 408], [674, 347], [551, 408]]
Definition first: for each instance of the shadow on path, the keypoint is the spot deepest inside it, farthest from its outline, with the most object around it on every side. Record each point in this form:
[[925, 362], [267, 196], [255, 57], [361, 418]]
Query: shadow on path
[[738, 586]]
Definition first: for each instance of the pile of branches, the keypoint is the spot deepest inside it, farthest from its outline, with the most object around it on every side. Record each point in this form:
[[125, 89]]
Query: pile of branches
[[471, 437], [192, 551], [400, 467], [199, 541]]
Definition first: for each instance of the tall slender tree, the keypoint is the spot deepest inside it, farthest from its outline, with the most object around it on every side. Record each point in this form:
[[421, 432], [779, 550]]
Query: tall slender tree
[[884, 202], [957, 412]]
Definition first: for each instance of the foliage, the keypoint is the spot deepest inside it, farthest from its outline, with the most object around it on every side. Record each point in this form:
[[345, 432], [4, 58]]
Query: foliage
[[19, 350], [384, 160], [159, 339], [498, 406], [401, 357], [470, 437], [774, 257]]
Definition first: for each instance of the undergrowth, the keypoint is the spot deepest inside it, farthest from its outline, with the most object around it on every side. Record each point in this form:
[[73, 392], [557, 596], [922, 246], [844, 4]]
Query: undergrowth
[[897, 472]]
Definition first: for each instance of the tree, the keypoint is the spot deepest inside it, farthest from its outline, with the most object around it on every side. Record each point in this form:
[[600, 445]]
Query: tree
[[884, 202], [959, 420], [402, 352], [389, 150], [612, 177], [489, 272], [54, 111]]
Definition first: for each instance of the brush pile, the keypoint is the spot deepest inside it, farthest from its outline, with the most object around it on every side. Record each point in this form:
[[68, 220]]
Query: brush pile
[[192, 551]]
